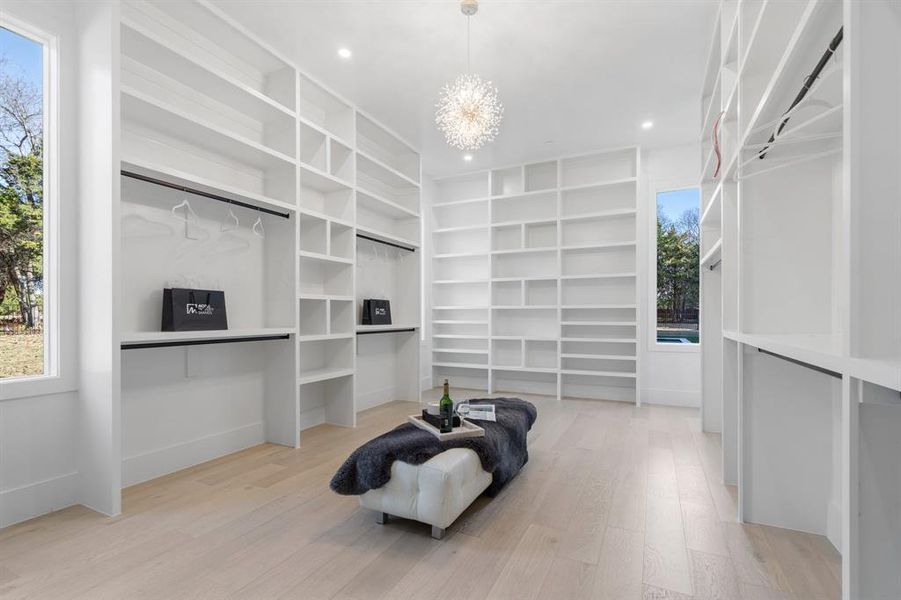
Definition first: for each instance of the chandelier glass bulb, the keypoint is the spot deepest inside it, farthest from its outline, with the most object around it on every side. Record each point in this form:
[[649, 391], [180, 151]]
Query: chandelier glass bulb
[[469, 112]]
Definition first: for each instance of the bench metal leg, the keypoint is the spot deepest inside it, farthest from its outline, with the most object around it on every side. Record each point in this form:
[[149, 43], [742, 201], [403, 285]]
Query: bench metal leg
[[437, 532], [381, 518]]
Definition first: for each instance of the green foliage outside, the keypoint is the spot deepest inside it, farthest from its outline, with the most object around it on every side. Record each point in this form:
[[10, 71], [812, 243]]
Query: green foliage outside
[[678, 271], [21, 223]]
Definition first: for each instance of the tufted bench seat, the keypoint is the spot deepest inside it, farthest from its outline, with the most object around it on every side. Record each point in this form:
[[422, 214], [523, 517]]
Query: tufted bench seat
[[435, 492]]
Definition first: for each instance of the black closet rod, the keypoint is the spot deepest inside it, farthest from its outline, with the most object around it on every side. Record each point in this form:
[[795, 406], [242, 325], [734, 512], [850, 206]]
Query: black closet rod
[[808, 83], [802, 363], [196, 192], [401, 330], [255, 338], [392, 244]]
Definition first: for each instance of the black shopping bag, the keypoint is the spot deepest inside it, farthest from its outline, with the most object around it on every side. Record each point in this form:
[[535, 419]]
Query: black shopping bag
[[193, 310], [376, 312]]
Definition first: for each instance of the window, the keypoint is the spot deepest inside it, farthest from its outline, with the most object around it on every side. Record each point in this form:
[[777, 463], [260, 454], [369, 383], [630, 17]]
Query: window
[[678, 271], [23, 180]]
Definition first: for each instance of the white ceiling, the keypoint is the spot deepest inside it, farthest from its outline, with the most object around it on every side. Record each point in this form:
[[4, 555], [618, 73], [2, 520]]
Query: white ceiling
[[574, 76]]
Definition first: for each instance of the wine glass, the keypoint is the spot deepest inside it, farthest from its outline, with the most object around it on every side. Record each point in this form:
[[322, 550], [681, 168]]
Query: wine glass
[[462, 410]]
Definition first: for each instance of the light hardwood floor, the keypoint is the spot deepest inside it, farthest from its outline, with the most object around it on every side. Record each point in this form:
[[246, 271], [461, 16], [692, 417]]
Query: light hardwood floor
[[616, 503]]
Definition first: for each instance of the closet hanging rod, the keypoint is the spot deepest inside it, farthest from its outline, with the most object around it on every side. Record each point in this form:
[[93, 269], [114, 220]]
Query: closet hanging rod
[[808, 83], [164, 344], [196, 192], [801, 363], [399, 330], [392, 244]]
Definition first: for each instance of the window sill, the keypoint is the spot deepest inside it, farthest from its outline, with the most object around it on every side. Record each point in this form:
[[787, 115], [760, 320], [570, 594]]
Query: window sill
[[41, 385], [656, 346]]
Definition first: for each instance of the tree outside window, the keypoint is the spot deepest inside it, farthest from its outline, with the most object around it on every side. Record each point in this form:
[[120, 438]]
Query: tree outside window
[[21, 206], [678, 270]]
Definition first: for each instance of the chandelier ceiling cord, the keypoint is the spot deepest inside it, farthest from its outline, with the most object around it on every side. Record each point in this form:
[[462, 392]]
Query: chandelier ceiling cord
[[469, 111]]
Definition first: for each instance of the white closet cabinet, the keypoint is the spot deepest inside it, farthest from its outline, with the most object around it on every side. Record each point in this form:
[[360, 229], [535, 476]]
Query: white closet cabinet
[[300, 207], [801, 273], [534, 278]]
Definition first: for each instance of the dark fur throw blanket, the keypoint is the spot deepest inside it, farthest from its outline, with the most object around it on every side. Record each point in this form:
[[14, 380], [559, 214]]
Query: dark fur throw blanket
[[502, 451]]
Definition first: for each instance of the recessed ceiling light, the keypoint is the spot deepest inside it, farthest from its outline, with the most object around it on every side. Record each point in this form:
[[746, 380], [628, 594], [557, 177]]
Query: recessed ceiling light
[[647, 124], [467, 157], [344, 52]]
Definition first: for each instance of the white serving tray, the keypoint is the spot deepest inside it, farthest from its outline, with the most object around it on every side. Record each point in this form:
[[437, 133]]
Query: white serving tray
[[466, 429]]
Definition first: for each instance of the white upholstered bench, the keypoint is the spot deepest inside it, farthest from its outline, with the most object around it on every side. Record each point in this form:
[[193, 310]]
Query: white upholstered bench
[[435, 492]]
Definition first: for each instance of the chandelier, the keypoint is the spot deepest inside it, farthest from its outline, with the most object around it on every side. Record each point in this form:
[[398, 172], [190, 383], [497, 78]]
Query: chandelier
[[469, 111]]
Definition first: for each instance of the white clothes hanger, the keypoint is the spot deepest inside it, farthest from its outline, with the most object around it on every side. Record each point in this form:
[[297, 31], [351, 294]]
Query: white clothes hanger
[[258, 228], [230, 222], [189, 212], [193, 230]]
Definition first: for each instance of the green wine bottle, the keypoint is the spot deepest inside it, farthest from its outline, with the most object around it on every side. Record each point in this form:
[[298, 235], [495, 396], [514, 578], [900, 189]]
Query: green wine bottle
[[446, 410]]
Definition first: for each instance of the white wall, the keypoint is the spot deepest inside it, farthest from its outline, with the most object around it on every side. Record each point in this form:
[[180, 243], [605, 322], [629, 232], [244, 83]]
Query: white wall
[[38, 419], [668, 375], [38, 470]]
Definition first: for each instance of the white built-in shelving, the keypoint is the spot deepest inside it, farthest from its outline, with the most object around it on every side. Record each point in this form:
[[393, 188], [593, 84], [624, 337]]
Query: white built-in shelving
[[546, 248], [800, 263], [301, 206]]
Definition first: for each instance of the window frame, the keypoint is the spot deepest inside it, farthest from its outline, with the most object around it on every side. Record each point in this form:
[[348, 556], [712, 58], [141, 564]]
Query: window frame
[[652, 343], [57, 377]]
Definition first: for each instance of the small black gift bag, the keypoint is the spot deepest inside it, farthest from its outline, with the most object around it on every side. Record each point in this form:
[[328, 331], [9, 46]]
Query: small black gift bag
[[376, 312], [193, 310]]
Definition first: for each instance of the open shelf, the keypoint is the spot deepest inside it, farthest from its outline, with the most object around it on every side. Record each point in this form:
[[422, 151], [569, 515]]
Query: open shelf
[[598, 168], [391, 152], [195, 43], [320, 275], [157, 132], [313, 148], [378, 180], [527, 243], [325, 110], [540, 176], [327, 400], [341, 161], [325, 359], [462, 188], [153, 66], [146, 111], [195, 182], [324, 374], [149, 339], [242, 174], [458, 215], [505, 182], [786, 42], [391, 239], [525, 209]]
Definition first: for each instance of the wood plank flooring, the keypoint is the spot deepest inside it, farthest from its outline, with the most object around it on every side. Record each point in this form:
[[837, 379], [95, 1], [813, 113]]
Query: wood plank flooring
[[616, 503]]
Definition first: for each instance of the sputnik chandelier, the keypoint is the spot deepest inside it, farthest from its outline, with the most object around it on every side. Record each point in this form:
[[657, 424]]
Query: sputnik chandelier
[[469, 111]]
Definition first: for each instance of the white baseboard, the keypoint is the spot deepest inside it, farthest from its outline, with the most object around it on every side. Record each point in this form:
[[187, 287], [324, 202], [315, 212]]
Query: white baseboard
[[312, 417], [690, 399], [426, 383], [373, 398], [35, 499], [163, 461]]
